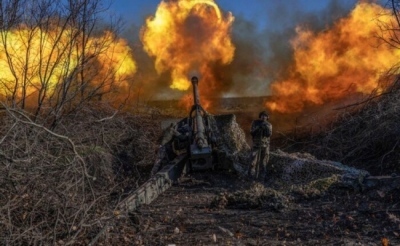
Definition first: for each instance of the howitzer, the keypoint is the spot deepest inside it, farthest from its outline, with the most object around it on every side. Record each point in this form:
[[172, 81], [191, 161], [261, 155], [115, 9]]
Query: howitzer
[[191, 151], [201, 146]]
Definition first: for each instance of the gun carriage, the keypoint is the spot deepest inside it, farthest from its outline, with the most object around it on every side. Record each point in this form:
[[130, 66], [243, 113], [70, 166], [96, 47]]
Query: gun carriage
[[191, 151]]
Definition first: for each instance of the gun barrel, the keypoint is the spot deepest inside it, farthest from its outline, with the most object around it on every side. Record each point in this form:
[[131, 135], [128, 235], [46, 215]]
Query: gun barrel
[[200, 138], [200, 150], [195, 83]]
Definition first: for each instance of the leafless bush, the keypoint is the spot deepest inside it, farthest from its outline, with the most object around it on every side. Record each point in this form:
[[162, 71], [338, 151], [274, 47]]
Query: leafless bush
[[365, 134], [58, 55], [60, 187]]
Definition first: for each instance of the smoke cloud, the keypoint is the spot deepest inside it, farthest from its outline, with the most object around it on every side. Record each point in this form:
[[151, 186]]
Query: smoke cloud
[[262, 53]]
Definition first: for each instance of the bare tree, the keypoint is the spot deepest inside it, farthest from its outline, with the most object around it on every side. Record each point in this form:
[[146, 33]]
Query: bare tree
[[57, 56], [56, 153], [389, 29]]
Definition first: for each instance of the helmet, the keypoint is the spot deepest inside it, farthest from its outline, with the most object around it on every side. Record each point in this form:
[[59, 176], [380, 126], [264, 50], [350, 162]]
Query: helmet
[[263, 113]]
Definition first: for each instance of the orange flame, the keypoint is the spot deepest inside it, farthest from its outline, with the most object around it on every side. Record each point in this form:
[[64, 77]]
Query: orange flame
[[338, 62], [186, 36], [33, 59]]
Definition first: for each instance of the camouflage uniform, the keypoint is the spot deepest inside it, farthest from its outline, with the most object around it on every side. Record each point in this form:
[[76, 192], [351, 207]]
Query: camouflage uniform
[[162, 154], [260, 131]]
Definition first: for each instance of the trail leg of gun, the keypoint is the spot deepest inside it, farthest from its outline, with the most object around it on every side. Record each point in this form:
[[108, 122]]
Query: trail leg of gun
[[152, 188]]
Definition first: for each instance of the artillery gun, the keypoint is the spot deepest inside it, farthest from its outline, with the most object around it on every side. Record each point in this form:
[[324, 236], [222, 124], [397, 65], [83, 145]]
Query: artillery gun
[[194, 151], [200, 157]]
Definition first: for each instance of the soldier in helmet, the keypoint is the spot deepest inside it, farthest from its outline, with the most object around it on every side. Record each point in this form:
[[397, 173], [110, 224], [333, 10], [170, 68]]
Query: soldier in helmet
[[174, 142], [162, 154], [261, 130]]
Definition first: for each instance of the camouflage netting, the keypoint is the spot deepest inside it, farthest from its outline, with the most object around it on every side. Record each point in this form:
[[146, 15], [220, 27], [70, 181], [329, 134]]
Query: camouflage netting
[[284, 168], [303, 168], [232, 149], [295, 175], [257, 196]]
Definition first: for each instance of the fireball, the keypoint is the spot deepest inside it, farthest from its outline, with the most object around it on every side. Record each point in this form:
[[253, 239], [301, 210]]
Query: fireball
[[35, 63], [331, 65], [189, 35]]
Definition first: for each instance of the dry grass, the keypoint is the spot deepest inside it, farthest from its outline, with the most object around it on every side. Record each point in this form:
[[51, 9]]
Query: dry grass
[[365, 135], [60, 186]]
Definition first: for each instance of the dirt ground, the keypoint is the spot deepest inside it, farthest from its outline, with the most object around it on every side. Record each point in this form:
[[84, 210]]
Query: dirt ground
[[219, 208]]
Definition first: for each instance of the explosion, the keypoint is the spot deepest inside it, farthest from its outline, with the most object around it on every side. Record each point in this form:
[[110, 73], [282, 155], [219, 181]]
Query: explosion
[[189, 35], [186, 36], [336, 63], [37, 61]]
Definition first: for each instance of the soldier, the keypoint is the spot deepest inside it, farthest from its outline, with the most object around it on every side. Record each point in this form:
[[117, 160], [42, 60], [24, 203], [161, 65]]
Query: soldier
[[174, 142], [162, 154], [260, 131]]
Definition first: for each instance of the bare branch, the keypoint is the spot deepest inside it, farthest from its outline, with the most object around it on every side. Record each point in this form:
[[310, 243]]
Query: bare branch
[[28, 121]]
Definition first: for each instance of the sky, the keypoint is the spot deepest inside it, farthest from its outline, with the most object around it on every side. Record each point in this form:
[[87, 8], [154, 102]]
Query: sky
[[262, 12], [262, 29]]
